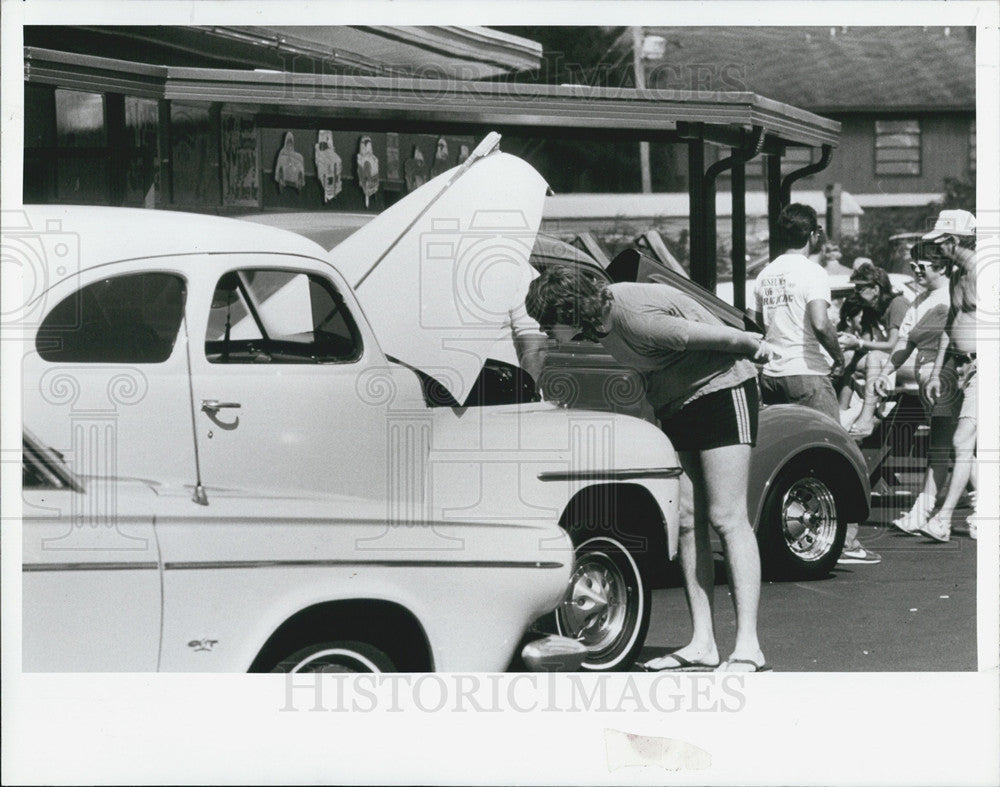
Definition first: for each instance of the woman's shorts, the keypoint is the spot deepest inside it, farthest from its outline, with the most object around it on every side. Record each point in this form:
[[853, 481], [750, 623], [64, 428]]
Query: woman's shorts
[[958, 390], [726, 417]]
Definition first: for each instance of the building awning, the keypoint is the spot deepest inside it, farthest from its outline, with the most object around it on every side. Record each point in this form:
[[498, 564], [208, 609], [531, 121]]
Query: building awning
[[431, 51], [454, 105]]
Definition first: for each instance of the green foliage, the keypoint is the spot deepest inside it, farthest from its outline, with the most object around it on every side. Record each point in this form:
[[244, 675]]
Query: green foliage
[[959, 194], [880, 224]]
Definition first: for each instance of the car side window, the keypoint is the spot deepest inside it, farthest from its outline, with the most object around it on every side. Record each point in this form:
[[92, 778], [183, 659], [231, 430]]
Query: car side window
[[279, 316], [133, 318]]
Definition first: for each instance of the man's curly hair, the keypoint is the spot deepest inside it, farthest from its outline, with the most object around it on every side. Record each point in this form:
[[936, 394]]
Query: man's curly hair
[[567, 295]]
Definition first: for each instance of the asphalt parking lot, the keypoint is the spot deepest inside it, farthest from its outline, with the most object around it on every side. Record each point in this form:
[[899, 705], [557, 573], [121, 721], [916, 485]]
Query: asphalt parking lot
[[914, 611]]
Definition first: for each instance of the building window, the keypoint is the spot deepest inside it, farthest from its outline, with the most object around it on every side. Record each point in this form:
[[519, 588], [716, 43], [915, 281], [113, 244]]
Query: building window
[[972, 145], [194, 152], [90, 148], [141, 132], [897, 147], [81, 147]]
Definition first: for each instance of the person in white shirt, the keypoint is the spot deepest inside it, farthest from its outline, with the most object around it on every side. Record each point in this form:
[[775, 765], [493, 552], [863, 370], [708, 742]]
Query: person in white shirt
[[792, 298]]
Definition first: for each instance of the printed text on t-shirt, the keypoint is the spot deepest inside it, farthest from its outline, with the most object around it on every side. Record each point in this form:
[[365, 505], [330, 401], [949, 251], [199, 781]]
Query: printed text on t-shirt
[[775, 292]]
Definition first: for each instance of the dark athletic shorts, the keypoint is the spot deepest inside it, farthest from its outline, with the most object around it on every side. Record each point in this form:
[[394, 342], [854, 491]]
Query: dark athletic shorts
[[726, 417]]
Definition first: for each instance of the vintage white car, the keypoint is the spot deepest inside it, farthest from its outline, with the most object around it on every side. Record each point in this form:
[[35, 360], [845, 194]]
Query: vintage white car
[[128, 575], [215, 356], [808, 478]]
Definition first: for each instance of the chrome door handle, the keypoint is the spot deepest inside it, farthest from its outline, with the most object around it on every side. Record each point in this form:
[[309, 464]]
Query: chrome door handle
[[214, 405]]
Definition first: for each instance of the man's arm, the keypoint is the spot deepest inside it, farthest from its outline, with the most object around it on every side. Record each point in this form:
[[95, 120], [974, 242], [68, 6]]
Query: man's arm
[[825, 332], [722, 338]]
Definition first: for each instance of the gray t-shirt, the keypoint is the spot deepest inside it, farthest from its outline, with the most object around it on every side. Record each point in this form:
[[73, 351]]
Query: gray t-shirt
[[649, 333]]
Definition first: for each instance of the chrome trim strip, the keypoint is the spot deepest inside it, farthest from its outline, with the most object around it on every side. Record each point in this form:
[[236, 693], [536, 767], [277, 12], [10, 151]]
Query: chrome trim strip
[[188, 566], [610, 475], [88, 566]]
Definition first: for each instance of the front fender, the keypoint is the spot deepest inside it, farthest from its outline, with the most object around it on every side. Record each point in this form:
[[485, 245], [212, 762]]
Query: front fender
[[525, 464]]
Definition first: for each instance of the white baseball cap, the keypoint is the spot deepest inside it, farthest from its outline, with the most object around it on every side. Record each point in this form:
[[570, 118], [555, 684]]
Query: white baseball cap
[[953, 222]]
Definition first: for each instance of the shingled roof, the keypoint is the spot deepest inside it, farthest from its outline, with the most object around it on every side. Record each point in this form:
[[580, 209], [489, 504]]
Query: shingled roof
[[825, 69]]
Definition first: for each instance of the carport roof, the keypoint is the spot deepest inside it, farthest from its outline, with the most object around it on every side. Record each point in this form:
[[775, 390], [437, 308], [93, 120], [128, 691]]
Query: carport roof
[[442, 105]]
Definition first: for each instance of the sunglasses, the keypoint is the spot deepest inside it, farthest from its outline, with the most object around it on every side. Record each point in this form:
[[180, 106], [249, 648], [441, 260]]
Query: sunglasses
[[923, 267], [860, 287]]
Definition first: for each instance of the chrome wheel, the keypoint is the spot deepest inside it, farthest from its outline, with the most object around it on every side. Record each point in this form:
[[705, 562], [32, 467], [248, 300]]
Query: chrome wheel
[[606, 606], [801, 529], [809, 519]]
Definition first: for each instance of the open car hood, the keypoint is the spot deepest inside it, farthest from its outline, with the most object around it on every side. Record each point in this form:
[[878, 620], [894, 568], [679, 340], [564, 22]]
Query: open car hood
[[632, 265], [438, 272]]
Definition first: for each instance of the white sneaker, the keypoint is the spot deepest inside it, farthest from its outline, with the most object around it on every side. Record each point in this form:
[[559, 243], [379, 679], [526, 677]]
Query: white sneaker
[[859, 554], [911, 521], [937, 529]]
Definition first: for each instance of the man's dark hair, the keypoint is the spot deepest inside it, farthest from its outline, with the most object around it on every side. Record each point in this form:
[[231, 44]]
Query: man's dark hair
[[795, 224], [854, 304], [867, 273]]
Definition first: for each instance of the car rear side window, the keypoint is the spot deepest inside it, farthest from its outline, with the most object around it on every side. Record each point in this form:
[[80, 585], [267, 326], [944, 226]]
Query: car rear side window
[[279, 316], [133, 318]]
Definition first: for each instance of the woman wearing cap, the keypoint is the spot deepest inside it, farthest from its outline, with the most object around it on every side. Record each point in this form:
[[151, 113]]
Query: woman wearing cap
[[954, 378], [704, 390], [920, 331], [873, 286]]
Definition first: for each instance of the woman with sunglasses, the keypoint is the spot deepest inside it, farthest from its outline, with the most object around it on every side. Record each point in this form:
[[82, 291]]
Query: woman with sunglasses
[[920, 331], [874, 287]]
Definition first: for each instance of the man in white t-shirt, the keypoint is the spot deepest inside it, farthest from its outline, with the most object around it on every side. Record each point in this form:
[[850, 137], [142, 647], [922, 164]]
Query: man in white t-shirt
[[792, 297]]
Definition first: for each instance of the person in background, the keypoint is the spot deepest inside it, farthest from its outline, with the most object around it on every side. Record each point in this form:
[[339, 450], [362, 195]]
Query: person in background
[[859, 321], [875, 288], [703, 388], [921, 331], [792, 302], [522, 342], [830, 257], [954, 375], [792, 298]]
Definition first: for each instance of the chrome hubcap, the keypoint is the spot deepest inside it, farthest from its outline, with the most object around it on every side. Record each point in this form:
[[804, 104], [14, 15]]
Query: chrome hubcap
[[809, 519], [595, 608]]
